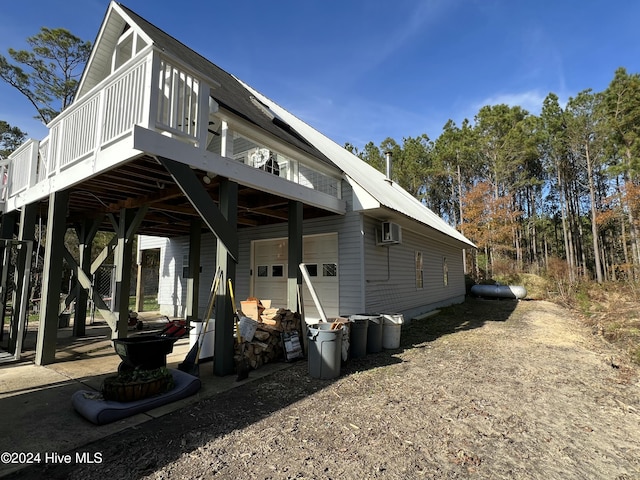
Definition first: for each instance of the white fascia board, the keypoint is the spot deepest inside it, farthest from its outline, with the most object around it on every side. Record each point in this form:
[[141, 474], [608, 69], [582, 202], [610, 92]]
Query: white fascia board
[[156, 144], [132, 23], [104, 159], [94, 49]]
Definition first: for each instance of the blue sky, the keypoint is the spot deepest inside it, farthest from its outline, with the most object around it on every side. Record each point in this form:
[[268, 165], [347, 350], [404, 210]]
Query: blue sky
[[365, 70]]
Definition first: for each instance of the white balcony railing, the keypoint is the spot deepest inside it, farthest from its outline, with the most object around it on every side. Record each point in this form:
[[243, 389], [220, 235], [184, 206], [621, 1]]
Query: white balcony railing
[[153, 91], [22, 168], [4, 180], [178, 102], [150, 91]]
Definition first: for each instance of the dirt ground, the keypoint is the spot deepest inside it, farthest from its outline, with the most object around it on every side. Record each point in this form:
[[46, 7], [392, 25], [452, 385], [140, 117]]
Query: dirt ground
[[486, 389]]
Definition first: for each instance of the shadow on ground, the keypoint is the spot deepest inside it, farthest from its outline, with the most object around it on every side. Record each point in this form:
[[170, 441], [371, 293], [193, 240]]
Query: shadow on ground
[[153, 444], [471, 314]]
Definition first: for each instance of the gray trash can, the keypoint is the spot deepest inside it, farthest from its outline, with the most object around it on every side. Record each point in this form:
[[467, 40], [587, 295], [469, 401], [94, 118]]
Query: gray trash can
[[359, 326], [391, 330], [374, 334], [325, 350]]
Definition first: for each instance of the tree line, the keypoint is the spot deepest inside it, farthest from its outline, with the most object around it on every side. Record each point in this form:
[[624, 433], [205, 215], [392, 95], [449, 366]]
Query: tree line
[[532, 191]]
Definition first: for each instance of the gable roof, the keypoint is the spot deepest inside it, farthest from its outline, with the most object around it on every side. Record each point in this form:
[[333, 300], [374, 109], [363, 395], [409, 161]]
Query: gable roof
[[228, 92], [371, 187]]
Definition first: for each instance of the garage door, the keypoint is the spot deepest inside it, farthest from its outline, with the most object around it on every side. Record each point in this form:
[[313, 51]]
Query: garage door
[[320, 253]]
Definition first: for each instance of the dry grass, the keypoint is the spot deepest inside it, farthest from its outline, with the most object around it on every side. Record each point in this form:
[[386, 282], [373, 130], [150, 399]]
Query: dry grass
[[611, 309]]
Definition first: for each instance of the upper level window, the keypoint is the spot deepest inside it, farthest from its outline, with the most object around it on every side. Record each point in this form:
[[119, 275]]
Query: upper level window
[[262, 157], [129, 44]]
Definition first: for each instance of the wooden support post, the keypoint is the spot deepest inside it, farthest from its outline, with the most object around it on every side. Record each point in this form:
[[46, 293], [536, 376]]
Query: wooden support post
[[122, 261], [139, 288], [85, 281], [7, 228], [127, 226], [86, 234], [51, 278], [222, 220], [294, 276], [193, 277], [27, 232], [223, 351], [23, 302]]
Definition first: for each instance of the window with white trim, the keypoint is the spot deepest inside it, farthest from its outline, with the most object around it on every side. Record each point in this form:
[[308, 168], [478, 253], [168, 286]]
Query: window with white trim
[[419, 270], [445, 271]]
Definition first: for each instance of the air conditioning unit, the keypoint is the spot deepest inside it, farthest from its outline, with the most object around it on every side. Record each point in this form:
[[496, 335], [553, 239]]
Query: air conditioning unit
[[390, 234]]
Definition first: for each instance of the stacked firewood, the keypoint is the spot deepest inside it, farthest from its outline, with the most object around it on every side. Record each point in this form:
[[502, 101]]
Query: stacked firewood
[[267, 342]]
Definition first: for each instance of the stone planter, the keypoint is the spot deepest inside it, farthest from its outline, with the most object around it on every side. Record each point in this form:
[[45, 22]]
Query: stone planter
[[137, 385]]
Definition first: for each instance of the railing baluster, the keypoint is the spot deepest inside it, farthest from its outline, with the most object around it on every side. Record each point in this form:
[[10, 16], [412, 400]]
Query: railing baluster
[[171, 102]]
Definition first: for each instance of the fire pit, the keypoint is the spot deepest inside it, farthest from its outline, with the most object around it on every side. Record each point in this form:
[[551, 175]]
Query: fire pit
[[145, 352]]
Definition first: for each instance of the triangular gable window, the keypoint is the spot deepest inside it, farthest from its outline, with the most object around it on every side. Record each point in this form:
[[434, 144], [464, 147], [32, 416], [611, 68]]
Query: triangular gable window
[[129, 44]]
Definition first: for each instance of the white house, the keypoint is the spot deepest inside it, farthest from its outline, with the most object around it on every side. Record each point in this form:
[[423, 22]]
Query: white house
[[162, 143]]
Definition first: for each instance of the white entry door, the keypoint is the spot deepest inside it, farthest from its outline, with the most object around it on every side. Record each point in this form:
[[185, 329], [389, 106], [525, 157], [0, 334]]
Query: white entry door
[[320, 253]]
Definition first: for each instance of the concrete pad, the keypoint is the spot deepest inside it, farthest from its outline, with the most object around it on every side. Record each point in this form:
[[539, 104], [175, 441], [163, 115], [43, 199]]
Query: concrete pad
[[35, 401], [39, 417]]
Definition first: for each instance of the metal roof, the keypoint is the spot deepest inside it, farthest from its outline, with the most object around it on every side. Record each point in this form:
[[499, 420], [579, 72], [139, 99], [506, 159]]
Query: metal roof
[[238, 97], [383, 191]]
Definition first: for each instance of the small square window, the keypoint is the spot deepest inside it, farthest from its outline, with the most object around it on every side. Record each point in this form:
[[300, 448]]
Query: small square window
[[263, 270], [329, 269], [312, 268], [277, 271]]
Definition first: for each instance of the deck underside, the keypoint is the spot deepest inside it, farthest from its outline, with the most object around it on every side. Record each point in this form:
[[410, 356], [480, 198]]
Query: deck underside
[[144, 181]]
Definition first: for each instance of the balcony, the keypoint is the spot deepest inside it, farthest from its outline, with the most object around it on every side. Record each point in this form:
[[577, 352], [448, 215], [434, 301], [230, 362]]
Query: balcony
[[162, 96]]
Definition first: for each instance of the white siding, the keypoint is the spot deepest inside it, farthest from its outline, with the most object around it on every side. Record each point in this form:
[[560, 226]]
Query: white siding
[[172, 287], [146, 242], [349, 264], [390, 273], [207, 271], [372, 279], [317, 250]]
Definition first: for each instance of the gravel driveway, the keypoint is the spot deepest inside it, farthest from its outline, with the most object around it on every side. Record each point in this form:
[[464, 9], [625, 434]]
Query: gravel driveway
[[486, 389]]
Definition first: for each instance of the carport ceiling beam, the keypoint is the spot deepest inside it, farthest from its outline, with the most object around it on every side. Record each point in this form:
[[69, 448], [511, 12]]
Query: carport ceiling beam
[[203, 203], [268, 213]]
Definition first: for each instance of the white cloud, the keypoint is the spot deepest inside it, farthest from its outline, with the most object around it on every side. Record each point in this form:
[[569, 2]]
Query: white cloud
[[359, 120], [530, 100]]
